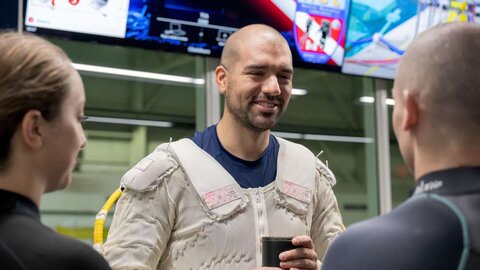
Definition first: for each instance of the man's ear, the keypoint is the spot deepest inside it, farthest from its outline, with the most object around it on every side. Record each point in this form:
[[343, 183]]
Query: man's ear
[[411, 110], [32, 129], [221, 78]]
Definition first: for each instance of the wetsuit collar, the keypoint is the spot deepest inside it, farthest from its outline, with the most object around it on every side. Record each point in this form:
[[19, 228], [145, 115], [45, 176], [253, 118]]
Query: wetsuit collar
[[13, 203], [454, 181]]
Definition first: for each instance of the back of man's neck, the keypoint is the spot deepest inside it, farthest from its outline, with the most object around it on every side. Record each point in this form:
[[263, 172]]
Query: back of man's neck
[[447, 159]]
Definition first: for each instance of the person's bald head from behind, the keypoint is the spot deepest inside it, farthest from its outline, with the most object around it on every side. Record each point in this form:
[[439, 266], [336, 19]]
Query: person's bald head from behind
[[239, 41], [441, 68]]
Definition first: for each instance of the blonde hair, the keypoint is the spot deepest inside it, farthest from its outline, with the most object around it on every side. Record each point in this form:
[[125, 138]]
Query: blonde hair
[[34, 75]]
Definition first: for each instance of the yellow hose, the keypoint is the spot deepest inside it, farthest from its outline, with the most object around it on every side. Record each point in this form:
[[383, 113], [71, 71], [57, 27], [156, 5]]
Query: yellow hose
[[100, 220]]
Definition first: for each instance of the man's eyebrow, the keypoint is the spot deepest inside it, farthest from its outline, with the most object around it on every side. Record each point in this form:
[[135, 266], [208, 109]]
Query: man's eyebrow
[[257, 67], [287, 70]]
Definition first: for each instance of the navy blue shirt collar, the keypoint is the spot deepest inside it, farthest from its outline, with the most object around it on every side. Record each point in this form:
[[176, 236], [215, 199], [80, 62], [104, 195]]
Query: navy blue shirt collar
[[456, 181], [248, 174]]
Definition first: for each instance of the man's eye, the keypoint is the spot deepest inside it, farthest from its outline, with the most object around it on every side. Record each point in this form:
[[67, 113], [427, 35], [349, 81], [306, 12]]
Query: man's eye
[[256, 73], [285, 77]]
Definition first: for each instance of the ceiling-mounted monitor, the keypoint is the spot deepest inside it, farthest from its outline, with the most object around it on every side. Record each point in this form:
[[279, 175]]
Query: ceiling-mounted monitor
[[380, 31], [315, 29], [94, 17]]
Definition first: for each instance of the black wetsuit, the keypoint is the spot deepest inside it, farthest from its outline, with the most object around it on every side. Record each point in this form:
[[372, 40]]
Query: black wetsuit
[[437, 229], [25, 243]]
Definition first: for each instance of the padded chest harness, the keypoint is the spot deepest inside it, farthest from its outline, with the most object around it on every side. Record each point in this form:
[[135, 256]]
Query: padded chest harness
[[221, 195]]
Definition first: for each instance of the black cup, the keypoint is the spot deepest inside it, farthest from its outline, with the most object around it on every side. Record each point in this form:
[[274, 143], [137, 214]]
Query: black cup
[[272, 247]]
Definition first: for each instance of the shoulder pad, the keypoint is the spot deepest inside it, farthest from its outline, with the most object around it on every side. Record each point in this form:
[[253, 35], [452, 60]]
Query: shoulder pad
[[150, 171], [326, 172]]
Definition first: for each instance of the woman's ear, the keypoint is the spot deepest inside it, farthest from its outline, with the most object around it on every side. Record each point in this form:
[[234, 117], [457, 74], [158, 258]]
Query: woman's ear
[[32, 129], [221, 78]]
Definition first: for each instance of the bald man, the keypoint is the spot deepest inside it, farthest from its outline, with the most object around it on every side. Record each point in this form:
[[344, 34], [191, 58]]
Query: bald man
[[205, 202], [437, 122]]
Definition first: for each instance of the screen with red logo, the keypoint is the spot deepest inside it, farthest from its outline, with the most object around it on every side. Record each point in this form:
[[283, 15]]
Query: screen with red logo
[[315, 29]]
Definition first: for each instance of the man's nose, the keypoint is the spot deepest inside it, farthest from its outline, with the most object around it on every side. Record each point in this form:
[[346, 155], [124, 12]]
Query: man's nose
[[270, 86], [83, 139]]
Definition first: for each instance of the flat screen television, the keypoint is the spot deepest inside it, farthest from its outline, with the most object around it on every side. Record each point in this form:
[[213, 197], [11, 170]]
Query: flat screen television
[[8, 15], [315, 29], [380, 31]]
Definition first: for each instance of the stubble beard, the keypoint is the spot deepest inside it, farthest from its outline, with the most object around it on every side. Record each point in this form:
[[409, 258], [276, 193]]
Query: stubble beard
[[246, 117]]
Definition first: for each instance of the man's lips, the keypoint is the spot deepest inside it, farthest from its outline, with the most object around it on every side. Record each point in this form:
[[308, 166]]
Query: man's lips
[[266, 104]]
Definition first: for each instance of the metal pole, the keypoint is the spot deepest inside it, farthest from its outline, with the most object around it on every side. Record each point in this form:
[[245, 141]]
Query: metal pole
[[212, 94], [20, 16], [383, 146], [371, 171]]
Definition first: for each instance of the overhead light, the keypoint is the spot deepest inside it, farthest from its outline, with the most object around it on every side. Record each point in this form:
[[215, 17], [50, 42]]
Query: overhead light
[[152, 76], [390, 102], [318, 137], [299, 92], [137, 74], [125, 121], [367, 99]]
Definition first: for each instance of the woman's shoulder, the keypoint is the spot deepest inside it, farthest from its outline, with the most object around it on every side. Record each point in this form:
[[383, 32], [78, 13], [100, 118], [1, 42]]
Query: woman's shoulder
[[38, 246]]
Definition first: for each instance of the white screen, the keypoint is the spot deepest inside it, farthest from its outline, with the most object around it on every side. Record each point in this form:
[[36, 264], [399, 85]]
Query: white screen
[[97, 17]]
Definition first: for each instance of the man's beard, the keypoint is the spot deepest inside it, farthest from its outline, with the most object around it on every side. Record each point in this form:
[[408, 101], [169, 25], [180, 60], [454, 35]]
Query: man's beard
[[255, 121]]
